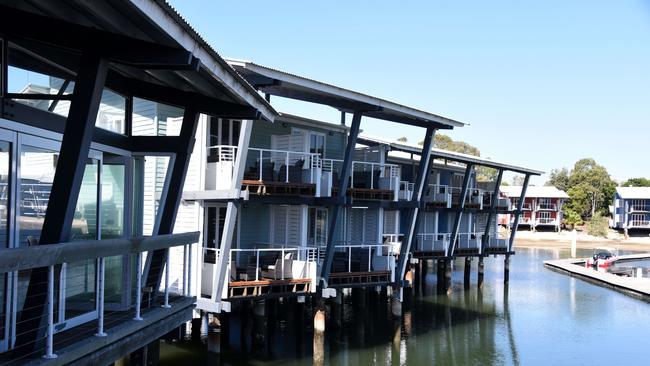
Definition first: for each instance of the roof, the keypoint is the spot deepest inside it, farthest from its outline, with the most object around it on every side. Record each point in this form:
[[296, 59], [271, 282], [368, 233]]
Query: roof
[[445, 154], [534, 191], [284, 84], [633, 192], [69, 25]]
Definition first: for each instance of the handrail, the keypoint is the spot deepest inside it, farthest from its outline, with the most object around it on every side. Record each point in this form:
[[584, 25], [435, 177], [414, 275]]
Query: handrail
[[16, 259], [225, 152], [547, 206]]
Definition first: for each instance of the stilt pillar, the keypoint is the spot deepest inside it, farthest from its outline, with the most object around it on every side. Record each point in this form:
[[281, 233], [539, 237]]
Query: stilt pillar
[[468, 269], [481, 272], [396, 304], [214, 334], [448, 271], [506, 270]]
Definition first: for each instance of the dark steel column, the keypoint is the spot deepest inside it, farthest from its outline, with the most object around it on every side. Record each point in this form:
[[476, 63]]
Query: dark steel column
[[493, 208], [461, 207], [71, 164], [520, 206], [420, 182], [171, 197], [341, 194]]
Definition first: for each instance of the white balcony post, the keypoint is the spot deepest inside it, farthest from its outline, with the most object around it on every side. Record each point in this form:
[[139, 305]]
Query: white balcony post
[[282, 263], [138, 286], [369, 258], [184, 270], [257, 264], [372, 176], [100, 294], [349, 259], [167, 265], [49, 348], [261, 163], [189, 271]]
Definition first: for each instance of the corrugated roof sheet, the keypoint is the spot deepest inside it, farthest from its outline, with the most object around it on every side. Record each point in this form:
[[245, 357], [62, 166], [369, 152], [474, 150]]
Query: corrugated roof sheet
[[534, 191], [633, 192]]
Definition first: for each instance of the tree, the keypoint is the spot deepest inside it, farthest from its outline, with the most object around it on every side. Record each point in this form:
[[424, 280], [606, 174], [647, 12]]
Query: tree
[[559, 178], [597, 225], [403, 139], [571, 217], [590, 188], [636, 182], [517, 180]]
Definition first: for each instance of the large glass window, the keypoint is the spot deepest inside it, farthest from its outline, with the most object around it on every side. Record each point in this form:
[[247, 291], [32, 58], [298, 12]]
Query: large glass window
[[317, 229], [4, 214], [37, 167], [113, 181]]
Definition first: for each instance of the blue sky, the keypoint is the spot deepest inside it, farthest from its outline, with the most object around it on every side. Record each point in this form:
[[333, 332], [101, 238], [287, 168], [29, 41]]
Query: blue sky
[[541, 83]]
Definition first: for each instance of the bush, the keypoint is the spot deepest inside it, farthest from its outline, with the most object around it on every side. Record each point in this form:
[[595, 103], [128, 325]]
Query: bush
[[572, 218], [597, 226]]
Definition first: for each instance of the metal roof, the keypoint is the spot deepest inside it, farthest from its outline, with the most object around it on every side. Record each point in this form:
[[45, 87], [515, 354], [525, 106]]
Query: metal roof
[[633, 192], [534, 191], [284, 84], [153, 21], [445, 154]]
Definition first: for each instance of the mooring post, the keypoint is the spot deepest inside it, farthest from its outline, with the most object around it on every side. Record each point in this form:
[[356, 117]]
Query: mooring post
[[506, 269], [396, 303], [481, 272], [214, 334], [468, 268], [440, 275]]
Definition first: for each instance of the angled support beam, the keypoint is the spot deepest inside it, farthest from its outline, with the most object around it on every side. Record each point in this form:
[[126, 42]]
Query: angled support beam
[[57, 225], [493, 208], [461, 207], [336, 209], [230, 222], [171, 197], [420, 183], [520, 206]]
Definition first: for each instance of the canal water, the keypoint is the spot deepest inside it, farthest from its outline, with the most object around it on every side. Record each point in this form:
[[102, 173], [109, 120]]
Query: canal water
[[541, 318]]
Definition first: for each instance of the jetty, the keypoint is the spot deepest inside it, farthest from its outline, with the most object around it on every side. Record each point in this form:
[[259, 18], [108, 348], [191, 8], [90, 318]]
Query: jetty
[[638, 287]]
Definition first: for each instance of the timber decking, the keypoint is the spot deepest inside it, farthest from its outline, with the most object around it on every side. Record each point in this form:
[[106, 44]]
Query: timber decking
[[368, 194], [429, 254], [264, 287], [261, 187], [342, 279], [640, 287]]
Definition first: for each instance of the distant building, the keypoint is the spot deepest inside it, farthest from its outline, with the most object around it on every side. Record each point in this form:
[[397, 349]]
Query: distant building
[[631, 208], [542, 206]]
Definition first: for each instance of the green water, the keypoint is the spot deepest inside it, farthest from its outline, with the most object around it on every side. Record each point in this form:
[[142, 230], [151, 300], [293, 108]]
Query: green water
[[542, 318]]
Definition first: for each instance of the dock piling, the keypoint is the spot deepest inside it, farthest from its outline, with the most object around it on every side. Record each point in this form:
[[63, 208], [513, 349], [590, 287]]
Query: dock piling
[[468, 268], [506, 270], [481, 272]]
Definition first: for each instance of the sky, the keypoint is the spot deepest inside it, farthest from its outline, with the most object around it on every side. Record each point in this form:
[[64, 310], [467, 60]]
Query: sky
[[541, 84]]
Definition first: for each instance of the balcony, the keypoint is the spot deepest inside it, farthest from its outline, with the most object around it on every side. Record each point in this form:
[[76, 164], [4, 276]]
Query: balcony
[[550, 221], [432, 245], [546, 207], [368, 180], [522, 220], [495, 245], [96, 299], [468, 244], [363, 264], [474, 197], [258, 272], [639, 224], [438, 196], [638, 208]]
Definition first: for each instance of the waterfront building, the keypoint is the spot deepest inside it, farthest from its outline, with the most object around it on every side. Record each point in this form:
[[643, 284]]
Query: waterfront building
[[303, 208], [99, 106], [541, 208], [630, 208]]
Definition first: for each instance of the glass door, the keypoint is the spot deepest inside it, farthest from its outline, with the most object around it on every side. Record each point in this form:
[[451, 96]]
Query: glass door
[[6, 144]]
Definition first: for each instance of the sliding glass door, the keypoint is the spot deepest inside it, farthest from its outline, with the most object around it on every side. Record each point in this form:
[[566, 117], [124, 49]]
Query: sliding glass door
[[6, 144]]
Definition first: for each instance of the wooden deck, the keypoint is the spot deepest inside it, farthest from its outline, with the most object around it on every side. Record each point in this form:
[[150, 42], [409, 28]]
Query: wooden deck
[[368, 194], [637, 287], [429, 254], [266, 288], [260, 187], [358, 279]]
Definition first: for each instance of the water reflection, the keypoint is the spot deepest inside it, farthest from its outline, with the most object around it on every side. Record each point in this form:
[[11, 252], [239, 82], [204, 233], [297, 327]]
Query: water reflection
[[541, 317]]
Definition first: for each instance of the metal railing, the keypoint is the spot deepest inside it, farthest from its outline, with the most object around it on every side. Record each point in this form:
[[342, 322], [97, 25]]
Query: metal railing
[[433, 242], [257, 266], [639, 208], [493, 241], [78, 295], [406, 190], [440, 194], [224, 153], [546, 220], [369, 249], [547, 206], [523, 220], [391, 171], [288, 162], [639, 223], [468, 241]]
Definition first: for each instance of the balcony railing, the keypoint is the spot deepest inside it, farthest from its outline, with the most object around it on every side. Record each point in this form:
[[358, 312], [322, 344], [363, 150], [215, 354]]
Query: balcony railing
[[363, 257], [433, 242], [439, 195], [523, 220], [546, 207], [494, 242], [468, 241], [268, 165], [474, 197], [86, 284], [639, 224], [546, 221], [639, 208]]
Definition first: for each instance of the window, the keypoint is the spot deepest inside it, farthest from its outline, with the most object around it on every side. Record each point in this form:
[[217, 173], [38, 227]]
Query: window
[[222, 132], [317, 143], [317, 229]]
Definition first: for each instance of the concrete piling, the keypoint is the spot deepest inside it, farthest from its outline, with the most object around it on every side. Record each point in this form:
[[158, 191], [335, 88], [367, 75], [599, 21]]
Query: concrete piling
[[468, 268], [481, 272], [506, 270]]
